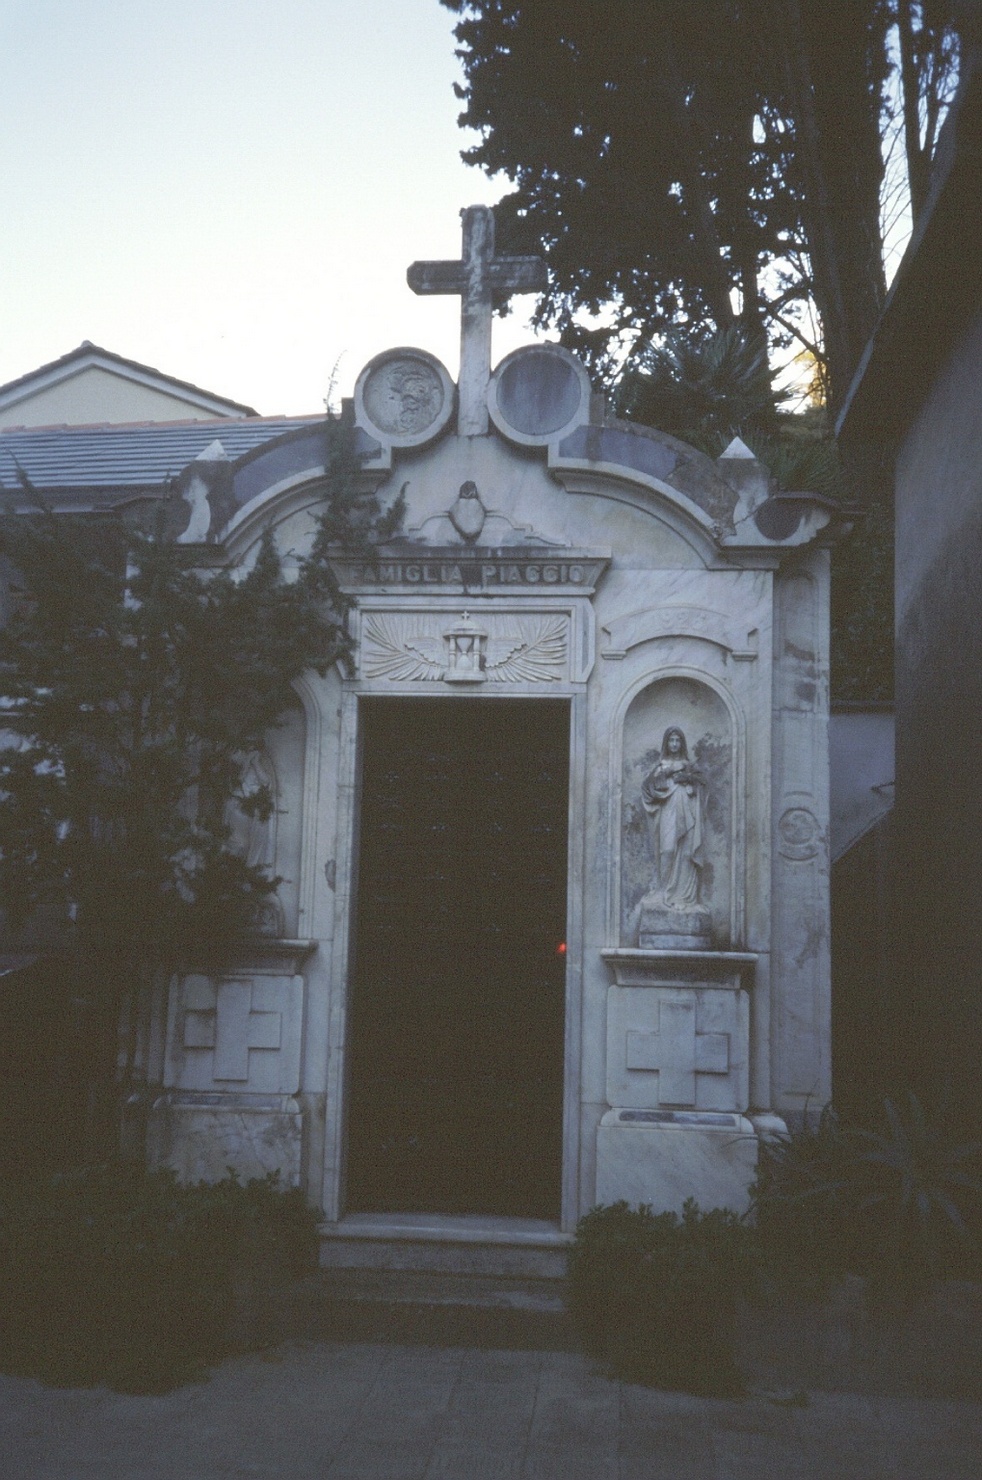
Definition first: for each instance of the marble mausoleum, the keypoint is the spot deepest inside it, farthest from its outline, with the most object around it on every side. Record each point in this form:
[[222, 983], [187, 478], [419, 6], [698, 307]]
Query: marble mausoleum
[[554, 925]]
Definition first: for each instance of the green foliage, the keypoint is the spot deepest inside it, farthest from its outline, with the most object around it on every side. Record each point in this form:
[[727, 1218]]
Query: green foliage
[[918, 1189], [701, 163], [119, 1276], [636, 164], [900, 1205], [138, 698], [704, 388], [800, 1197], [655, 1294], [862, 607]]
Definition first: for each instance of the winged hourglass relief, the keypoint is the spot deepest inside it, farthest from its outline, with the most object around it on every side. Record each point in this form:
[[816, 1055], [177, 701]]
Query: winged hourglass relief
[[492, 648]]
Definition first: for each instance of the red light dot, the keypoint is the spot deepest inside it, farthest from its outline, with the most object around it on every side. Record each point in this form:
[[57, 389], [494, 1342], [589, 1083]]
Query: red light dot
[[561, 948]]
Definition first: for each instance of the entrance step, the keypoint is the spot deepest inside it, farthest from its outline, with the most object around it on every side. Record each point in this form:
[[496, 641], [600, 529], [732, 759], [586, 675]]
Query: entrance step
[[469, 1245], [413, 1287], [447, 1280]]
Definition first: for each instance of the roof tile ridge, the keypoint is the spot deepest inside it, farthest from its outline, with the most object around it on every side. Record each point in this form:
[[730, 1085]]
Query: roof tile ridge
[[191, 422], [224, 423]]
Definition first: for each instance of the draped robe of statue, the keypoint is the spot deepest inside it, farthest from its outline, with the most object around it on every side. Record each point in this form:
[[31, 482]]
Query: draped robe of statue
[[672, 797]]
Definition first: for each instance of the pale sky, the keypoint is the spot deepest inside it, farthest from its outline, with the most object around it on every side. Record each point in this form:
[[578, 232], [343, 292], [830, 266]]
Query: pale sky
[[231, 190]]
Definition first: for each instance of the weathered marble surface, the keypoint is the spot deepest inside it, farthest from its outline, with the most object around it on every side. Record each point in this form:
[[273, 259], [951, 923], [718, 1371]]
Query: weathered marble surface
[[650, 587], [663, 1163], [235, 1032], [252, 1135], [673, 1047]]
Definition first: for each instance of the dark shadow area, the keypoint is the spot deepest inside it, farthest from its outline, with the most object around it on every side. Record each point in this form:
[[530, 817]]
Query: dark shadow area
[[57, 1040], [457, 1013]]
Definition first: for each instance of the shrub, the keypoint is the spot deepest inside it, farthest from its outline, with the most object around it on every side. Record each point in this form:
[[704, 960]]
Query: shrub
[[801, 1202], [116, 1275], [655, 1294], [917, 1192], [896, 1205]]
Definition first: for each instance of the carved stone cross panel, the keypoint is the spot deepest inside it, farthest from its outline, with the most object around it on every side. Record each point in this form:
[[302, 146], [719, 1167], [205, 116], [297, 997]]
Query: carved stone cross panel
[[481, 279], [678, 1052], [238, 1032], [232, 1028]]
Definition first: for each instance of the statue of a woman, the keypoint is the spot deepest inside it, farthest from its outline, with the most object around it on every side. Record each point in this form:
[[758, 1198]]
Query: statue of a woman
[[672, 797]]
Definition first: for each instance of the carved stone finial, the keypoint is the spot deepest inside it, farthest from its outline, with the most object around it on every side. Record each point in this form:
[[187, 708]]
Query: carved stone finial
[[466, 644], [467, 513]]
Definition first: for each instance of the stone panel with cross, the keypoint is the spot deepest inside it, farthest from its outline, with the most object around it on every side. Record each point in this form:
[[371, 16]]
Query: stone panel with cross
[[238, 1034], [677, 1048]]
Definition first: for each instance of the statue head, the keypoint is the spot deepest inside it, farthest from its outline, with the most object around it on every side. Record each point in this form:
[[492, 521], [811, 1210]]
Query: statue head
[[673, 746]]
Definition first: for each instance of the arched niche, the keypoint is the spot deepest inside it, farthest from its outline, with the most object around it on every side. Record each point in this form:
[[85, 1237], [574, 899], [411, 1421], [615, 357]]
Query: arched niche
[[701, 713]]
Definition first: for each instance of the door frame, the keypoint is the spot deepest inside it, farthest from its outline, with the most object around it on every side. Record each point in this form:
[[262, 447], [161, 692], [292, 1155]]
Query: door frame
[[482, 737], [345, 906]]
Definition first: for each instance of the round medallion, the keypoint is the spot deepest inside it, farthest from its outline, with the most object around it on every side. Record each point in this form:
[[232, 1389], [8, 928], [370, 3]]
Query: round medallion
[[538, 394], [799, 832], [404, 397]]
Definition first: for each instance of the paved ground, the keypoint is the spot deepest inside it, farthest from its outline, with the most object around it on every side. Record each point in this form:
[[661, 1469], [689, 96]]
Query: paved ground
[[320, 1411]]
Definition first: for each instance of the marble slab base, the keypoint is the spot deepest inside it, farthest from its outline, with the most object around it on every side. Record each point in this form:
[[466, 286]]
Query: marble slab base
[[662, 1158], [252, 1135]]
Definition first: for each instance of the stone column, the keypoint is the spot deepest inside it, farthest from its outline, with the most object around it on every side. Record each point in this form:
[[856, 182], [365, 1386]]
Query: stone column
[[800, 930]]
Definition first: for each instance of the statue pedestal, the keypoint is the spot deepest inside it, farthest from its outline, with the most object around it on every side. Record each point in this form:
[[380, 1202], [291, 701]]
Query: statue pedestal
[[664, 929]]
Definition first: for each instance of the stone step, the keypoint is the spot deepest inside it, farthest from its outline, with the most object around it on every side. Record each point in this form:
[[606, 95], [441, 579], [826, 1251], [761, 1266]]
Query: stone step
[[435, 1279], [415, 1287], [344, 1306], [473, 1246], [489, 1328]]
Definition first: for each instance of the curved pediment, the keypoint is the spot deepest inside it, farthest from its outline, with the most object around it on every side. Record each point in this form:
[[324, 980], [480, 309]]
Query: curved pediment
[[545, 430]]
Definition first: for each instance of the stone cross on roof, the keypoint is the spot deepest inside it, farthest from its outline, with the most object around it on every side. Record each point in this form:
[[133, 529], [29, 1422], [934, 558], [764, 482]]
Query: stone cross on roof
[[480, 278]]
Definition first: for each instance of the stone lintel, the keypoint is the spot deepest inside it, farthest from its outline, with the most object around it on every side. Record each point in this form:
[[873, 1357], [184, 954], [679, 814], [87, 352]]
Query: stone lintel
[[681, 1119], [468, 570], [236, 1101]]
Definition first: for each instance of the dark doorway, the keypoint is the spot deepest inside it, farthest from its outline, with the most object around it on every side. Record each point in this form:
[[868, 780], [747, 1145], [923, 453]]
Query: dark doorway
[[457, 1014]]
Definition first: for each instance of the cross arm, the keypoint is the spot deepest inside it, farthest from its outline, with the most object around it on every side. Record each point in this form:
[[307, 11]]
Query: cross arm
[[519, 274], [436, 277], [505, 274]]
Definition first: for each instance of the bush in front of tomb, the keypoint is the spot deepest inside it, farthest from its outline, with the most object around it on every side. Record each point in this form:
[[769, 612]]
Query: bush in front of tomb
[[655, 1295], [141, 679], [800, 1198], [125, 1277], [900, 1204]]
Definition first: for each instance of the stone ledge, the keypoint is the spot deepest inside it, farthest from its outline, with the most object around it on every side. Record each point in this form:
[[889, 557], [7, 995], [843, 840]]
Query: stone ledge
[[646, 968], [473, 1228], [268, 954]]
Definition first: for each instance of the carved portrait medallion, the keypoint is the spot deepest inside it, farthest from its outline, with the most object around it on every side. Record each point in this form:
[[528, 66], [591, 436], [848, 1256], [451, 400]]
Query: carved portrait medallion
[[404, 396]]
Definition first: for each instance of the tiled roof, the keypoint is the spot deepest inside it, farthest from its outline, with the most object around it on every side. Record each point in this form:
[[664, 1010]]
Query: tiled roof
[[133, 457]]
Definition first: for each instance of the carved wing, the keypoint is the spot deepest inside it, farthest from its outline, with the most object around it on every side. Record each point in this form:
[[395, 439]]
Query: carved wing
[[390, 650], [535, 651]]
